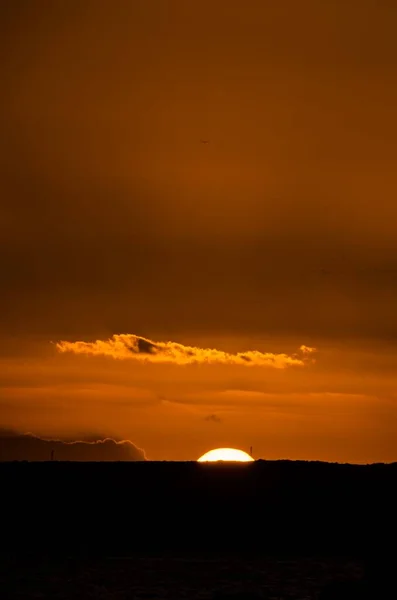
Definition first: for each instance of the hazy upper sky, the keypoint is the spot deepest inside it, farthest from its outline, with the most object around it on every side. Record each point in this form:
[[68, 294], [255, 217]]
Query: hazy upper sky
[[280, 232]]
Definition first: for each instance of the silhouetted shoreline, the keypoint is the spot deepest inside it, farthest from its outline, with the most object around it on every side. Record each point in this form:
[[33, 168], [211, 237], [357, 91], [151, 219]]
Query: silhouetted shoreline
[[267, 506]]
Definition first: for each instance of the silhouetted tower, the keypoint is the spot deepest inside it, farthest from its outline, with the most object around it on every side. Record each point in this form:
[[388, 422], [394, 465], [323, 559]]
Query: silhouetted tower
[[52, 454], [251, 452]]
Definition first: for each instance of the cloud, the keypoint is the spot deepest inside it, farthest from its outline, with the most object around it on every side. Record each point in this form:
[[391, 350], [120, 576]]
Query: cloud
[[16, 446], [307, 349], [213, 418], [129, 346]]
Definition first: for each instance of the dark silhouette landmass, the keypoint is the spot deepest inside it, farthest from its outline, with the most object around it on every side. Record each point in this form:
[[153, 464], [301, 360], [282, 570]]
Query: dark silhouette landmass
[[264, 506], [250, 510]]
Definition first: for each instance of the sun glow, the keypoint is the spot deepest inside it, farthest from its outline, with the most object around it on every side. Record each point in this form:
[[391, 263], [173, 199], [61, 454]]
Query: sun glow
[[225, 454]]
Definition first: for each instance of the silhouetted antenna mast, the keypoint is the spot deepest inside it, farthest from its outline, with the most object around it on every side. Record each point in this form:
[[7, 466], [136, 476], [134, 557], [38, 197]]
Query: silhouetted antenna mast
[[52, 454], [251, 452]]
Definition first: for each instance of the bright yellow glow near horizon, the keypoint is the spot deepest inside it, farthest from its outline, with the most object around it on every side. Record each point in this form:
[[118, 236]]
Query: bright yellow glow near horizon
[[225, 454]]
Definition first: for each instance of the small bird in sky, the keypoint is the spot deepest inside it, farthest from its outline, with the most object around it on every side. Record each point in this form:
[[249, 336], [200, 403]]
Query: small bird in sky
[[204, 141]]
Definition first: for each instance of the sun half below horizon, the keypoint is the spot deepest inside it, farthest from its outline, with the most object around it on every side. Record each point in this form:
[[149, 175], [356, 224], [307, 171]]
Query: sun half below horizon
[[226, 455]]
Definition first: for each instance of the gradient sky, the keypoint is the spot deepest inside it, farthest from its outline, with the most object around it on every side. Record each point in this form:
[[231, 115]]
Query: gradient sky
[[280, 232]]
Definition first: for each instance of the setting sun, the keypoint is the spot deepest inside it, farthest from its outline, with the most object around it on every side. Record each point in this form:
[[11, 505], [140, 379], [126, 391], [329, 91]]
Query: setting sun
[[225, 454]]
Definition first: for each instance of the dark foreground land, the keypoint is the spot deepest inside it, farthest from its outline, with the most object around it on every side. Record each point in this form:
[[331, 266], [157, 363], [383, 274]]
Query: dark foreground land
[[188, 530]]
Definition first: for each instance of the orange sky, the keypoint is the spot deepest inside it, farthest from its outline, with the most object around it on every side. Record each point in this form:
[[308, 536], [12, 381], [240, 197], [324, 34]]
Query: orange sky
[[115, 219], [340, 407]]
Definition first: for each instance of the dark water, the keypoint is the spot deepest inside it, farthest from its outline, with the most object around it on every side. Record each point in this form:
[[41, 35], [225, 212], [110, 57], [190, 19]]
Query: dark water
[[174, 578]]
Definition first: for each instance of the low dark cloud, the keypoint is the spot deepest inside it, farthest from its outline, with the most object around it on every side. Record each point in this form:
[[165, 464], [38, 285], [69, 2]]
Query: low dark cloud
[[16, 446], [213, 418]]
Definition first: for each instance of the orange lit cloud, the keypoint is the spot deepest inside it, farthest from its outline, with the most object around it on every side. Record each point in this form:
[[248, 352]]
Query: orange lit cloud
[[128, 346]]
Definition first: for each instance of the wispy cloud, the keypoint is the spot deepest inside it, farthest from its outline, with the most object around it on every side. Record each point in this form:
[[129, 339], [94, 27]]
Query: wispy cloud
[[134, 347]]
